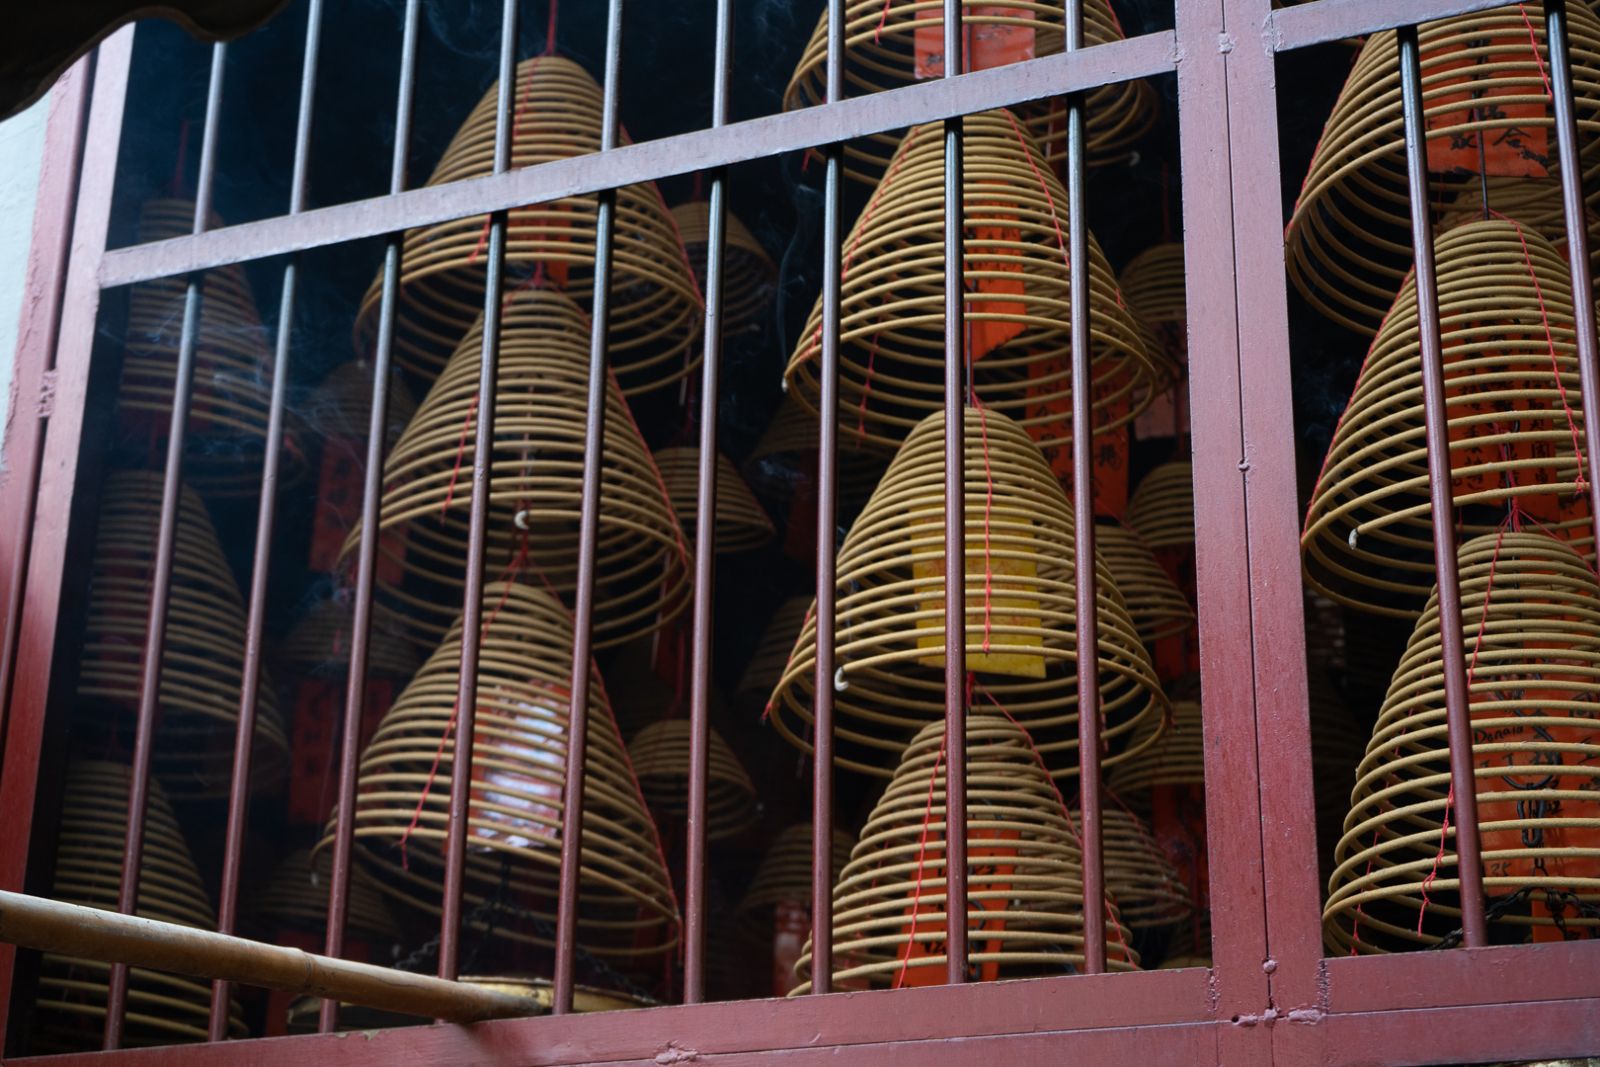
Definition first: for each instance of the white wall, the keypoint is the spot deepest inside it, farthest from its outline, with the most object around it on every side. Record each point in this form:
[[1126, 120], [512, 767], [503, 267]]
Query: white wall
[[21, 149]]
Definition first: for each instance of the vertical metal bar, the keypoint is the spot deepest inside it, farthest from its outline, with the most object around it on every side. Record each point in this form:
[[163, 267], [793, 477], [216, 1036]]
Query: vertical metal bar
[[161, 580], [955, 522], [1094, 897], [74, 205], [705, 540], [367, 555], [1458, 715], [588, 528], [239, 785], [466, 710], [1247, 525], [1576, 213], [827, 520]]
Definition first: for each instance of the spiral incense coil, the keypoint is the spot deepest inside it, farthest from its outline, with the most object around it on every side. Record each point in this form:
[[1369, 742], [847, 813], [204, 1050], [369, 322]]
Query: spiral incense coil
[[1146, 886], [787, 453], [1024, 872], [741, 524], [1534, 202], [1530, 616], [232, 389], [1190, 945], [1153, 286], [319, 644], [882, 39], [765, 666], [660, 755], [1173, 757], [785, 872], [70, 1009], [296, 896], [341, 405], [1155, 604], [1162, 509], [1021, 610], [1486, 105], [1505, 309], [656, 311], [202, 669], [748, 273], [1338, 745], [541, 406], [626, 906], [1017, 307]]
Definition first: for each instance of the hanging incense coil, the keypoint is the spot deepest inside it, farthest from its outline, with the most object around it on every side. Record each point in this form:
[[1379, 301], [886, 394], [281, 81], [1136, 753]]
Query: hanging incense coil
[[1156, 605], [765, 666], [319, 644], [1021, 630], [892, 43], [70, 1009], [1349, 239], [202, 669], [1338, 746], [541, 404], [748, 273], [891, 372], [741, 524], [1505, 308], [1146, 886], [626, 906], [1024, 872], [340, 407], [1153, 285], [785, 872], [232, 389], [660, 756], [1530, 615], [295, 895], [787, 453], [1162, 509], [1171, 757], [655, 312]]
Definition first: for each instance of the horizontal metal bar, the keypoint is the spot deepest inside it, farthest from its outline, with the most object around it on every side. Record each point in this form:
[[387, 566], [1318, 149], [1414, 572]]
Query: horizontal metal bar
[[930, 101], [1162, 1001], [1336, 20], [1557, 970], [90, 933]]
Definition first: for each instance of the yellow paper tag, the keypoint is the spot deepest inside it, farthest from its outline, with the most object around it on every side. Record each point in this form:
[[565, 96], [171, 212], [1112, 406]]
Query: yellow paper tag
[[1006, 608]]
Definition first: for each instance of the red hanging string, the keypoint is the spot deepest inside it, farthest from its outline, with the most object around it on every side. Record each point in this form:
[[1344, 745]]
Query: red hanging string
[[1555, 366], [922, 851], [1072, 828], [461, 449], [1533, 39], [550, 28], [509, 577], [516, 132], [1472, 666]]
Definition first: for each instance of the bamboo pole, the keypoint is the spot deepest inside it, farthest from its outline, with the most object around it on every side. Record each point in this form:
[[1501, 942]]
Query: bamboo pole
[[91, 933]]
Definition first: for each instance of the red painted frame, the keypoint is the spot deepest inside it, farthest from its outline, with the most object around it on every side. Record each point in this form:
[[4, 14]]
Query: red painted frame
[[1271, 996]]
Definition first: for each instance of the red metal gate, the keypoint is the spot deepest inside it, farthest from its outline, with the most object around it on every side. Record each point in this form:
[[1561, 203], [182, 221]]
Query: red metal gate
[[1271, 995]]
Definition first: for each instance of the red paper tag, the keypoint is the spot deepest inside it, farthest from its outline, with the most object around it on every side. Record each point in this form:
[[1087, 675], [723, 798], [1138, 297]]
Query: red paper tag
[[987, 45], [985, 335], [1111, 447], [1515, 151], [790, 926], [984, 863], [318, 711]]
